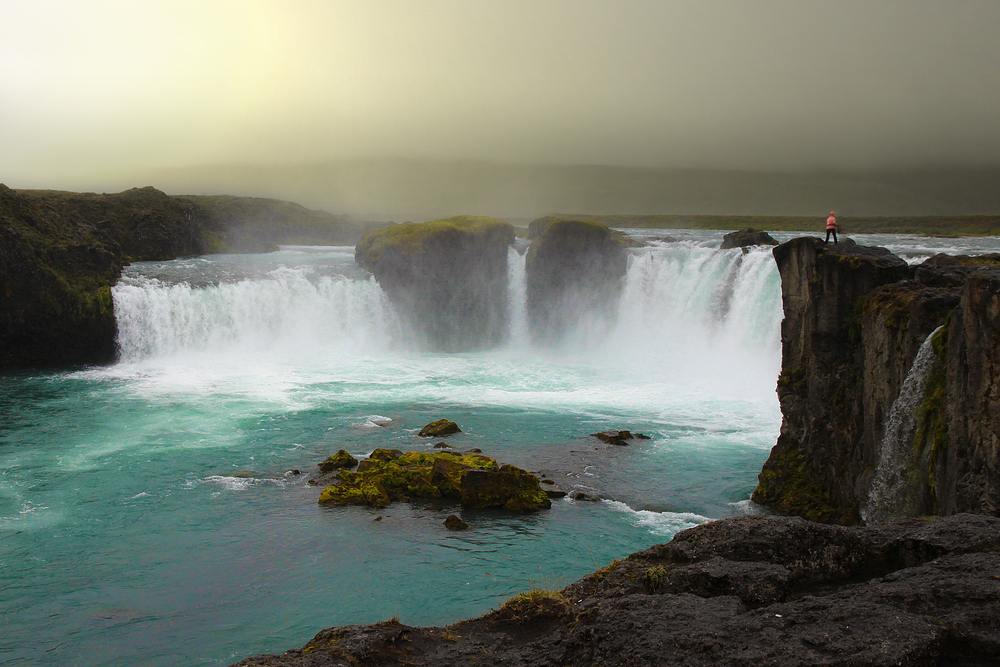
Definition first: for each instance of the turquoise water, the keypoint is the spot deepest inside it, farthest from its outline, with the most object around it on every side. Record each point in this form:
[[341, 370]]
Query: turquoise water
[[148, 514]]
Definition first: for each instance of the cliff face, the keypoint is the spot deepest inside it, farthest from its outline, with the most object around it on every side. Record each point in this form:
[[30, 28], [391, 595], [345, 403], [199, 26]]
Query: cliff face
[[574, 275], [55, 287], [60, 253], [448, 278], [855, 320]]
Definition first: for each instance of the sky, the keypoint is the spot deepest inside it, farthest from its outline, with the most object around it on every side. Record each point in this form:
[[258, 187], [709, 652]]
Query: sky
[[91, 90]]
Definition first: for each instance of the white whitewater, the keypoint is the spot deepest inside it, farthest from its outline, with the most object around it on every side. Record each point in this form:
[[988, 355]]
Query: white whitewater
[[688, 314], [887, 499], [288, 308]]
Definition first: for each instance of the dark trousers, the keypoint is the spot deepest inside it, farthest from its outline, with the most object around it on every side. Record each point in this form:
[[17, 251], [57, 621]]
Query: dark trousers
[[831, 231]]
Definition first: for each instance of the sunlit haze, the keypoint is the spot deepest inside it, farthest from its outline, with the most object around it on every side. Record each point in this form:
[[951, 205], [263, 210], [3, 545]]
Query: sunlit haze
[[95, 93]]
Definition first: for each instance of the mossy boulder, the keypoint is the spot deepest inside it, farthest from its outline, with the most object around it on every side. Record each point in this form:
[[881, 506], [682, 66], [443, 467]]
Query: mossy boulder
[[509, 487], [447, 278], [439, 429], [395, 478], [339, 461], [575, 274]]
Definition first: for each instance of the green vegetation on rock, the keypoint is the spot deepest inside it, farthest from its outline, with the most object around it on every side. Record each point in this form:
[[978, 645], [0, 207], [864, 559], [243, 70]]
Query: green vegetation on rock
[[389, 476]]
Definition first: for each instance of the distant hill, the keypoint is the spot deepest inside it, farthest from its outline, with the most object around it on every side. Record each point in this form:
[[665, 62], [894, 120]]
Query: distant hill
[[419, 190]]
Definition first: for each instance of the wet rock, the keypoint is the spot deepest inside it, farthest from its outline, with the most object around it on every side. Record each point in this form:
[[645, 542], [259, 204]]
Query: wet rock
[[389, 476], [619, 438], [454, 523], [509, 487], [442, 445], [575, 271], [439, 429], [447, 277], [339, 461], [576, 494], [745, 238]]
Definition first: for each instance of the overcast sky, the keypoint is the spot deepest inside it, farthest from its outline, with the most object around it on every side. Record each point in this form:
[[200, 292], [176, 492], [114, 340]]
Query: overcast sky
[[102, 87]]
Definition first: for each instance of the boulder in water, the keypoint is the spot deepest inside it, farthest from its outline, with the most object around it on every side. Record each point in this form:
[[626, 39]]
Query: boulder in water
[[447, 277], [746, 237], [618, 437], [339, 461], [454, 523], [439, 429], [509, 487], [392, 478]]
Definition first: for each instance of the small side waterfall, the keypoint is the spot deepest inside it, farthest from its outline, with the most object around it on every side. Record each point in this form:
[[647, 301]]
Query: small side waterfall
[[888, 498]]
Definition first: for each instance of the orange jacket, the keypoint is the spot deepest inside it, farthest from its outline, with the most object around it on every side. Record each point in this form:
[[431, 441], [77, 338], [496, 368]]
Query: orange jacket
[[831, 222]]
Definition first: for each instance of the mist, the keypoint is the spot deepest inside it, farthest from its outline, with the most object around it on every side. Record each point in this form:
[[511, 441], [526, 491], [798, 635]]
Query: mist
[[112, 94]]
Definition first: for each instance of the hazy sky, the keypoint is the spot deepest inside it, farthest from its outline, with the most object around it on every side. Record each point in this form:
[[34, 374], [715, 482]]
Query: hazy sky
[[89, 88]]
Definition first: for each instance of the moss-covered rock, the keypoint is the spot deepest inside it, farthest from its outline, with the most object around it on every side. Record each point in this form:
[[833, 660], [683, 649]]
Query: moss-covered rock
[[509, 487], [575, 271], [439, 429], [339, 461], [393, 476], [448, 278]]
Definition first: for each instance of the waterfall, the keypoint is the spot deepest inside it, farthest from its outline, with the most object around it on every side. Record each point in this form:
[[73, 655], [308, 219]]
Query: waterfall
[[288, 309], [517, 296], [888, 498], [687, 312]]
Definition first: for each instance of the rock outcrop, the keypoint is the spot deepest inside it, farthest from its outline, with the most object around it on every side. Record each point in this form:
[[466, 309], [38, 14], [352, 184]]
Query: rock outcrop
[[743, 591], [61, 252], [477, 481], [575, 271], [746, 237], [448, 278], [855, 319]]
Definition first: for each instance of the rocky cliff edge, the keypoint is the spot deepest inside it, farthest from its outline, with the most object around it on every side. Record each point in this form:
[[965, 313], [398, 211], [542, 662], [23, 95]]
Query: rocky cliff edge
[[742, 591]]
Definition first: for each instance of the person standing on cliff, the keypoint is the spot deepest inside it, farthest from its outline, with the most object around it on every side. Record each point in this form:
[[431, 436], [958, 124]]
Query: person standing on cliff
[[831, 228]]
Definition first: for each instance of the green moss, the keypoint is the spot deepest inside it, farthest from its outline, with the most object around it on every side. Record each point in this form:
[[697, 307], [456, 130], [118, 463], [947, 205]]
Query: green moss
[[651, 577], [785, 484], [416, 236], [390, 475]]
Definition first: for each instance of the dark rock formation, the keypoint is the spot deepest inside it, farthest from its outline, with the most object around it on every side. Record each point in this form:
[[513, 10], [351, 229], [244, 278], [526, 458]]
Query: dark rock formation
[[746, 237], [509, 487], [55, 286], [855, 319], [620, 438], [575, 270], [447, 277], [61, 252], [389, 475], [454, 523], [740, 592], [439, 429], [339, 461]]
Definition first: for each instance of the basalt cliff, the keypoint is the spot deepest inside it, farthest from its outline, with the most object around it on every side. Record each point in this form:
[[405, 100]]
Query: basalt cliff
[[867, 433]]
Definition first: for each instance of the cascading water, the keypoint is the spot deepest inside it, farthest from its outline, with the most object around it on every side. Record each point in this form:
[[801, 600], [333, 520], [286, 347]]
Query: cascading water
[[888, 499]]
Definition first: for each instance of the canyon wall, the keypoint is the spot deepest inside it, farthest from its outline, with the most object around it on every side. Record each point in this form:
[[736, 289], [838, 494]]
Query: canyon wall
[[855, 319]]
